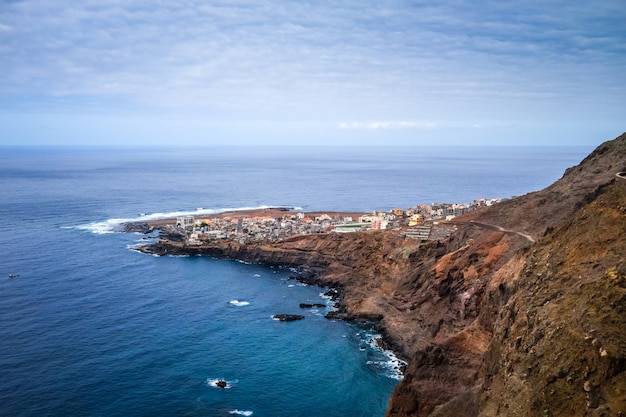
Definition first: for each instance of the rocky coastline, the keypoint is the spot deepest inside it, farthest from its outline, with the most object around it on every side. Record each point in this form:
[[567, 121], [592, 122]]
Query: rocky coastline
[[520, 311]]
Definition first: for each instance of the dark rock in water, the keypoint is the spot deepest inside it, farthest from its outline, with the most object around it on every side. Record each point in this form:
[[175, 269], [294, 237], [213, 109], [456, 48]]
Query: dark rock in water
[[337, 315], [137, 227], [307, 305], [221, 384], [287, 317]]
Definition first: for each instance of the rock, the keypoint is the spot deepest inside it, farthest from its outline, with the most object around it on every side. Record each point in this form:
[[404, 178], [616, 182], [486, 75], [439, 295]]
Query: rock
[[221, 383], [306, 305], [287, 317], [171, 233], [336, 315], [332, 293], [137, 227]]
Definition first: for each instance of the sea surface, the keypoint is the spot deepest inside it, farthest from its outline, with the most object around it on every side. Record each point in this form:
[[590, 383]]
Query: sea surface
[[90, 327]]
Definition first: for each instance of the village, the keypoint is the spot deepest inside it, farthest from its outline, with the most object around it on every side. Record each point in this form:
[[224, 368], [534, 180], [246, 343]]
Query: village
[[422, 222]]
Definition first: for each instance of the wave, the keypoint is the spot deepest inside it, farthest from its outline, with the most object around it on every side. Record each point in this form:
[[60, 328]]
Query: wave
[[393, 366], [238, 303], [115, 225], [241, 412], [216, 383]]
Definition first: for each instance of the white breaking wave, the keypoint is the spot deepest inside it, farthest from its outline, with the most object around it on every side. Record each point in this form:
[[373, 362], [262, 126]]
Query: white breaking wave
[[393, 365], [213, 383], [241, 412], [114, 225], [238, 303]]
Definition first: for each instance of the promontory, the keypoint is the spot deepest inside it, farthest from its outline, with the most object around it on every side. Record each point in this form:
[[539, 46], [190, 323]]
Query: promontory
[[518, 310]]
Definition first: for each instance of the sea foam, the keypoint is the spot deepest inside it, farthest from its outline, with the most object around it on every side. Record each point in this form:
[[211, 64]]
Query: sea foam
[[238, 303], [213, 383], [392, 364], [115, 225], [241, 412]]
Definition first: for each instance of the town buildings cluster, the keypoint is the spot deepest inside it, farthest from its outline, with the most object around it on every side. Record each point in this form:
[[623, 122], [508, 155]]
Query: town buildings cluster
[[420, 222], [436, 211]]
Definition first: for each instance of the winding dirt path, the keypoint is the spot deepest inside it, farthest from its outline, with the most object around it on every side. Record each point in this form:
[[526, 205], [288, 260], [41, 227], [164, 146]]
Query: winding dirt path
[[528, 237]]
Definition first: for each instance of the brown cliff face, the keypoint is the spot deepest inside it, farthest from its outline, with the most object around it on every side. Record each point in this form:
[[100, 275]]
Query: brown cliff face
[[549, 335], [526, 320], [560, 348]]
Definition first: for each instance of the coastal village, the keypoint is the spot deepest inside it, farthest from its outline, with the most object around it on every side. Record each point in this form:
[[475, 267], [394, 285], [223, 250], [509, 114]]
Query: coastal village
[[422, 222]]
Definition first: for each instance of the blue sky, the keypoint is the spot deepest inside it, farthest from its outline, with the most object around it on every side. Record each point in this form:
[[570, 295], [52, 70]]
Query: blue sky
[[195, 72]]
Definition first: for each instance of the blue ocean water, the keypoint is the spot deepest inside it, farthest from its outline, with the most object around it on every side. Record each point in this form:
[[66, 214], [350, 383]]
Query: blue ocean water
[[91, 327]]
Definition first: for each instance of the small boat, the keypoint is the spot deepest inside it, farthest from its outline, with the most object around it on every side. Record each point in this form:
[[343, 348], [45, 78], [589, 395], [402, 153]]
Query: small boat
[[14, 275]]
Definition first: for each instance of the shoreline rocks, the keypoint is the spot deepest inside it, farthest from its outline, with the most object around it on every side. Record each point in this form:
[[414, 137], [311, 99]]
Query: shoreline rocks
[[137, 227], [314, 305], [287, 317]]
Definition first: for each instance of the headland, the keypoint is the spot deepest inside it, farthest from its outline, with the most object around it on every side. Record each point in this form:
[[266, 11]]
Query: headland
[[513, 309]]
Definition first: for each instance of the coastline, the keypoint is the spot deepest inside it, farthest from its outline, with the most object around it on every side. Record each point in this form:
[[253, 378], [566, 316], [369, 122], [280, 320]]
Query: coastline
[[516, 311], [326, 260], [314, 268]]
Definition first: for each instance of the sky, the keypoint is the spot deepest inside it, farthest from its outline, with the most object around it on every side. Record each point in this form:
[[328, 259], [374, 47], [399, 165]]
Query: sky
[[343, 72]]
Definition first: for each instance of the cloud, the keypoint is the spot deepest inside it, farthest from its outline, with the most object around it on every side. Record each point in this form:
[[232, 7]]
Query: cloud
[[391, 63]]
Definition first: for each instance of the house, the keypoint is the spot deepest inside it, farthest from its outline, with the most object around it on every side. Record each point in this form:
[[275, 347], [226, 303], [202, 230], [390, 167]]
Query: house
[[185, 222]]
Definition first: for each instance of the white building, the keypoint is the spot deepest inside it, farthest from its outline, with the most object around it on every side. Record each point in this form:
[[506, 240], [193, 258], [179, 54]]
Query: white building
[[185, 222]]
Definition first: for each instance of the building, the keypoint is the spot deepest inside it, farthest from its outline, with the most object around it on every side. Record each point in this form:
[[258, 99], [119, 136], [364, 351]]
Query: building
[[185, 222]]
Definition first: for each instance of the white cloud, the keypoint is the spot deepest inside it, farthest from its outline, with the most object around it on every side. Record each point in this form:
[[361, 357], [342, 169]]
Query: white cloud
[[391, 64]]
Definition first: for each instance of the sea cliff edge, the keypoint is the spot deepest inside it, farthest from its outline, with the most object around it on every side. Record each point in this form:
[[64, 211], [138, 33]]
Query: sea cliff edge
[[521, 310]]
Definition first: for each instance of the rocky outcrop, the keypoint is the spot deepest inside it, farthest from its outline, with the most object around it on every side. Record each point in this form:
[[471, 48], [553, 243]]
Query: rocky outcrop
[[518, 312], [307, 305], [287, 317], [137, 227]]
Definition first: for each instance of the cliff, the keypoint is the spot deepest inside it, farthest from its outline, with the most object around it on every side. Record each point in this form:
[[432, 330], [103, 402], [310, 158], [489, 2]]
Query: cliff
[[548, 337], [519, 312]]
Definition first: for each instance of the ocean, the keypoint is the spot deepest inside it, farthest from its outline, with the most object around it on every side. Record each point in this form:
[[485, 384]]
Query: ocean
[[91, 327]]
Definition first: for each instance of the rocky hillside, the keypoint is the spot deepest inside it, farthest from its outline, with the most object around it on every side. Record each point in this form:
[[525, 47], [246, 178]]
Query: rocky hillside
[[548, 333], [519, 313]]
